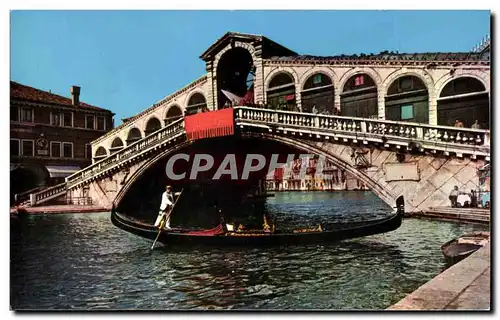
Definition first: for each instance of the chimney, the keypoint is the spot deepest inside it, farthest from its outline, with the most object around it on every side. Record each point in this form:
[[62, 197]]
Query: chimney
[[75, 95]]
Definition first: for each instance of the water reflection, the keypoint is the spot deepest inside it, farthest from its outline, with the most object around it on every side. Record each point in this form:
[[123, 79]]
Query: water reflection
[[82, 261]]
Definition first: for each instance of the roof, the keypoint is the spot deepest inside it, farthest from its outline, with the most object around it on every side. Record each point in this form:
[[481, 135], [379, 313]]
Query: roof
[[483, 46], [387, 56], [221, 42], [23, 92], [274, 52]]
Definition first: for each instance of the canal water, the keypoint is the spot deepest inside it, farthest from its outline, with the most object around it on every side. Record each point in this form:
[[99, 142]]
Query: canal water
[[82, 261]]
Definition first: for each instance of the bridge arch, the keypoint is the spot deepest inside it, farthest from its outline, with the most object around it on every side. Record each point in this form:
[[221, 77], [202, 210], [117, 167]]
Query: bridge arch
[[280, 91], [334, 159], [407, 97], [152, 124], [464, 98], [133, 135], [172, 113], [359, 96], [145, 166], [318, 92], [301, 145]]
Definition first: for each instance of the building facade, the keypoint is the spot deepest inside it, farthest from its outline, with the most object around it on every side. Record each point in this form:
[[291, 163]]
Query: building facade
[[311, 174], [50, 136], [244, 69]]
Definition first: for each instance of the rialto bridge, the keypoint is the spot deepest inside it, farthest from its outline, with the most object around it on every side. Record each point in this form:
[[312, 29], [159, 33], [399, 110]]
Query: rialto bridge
[[396, 110]]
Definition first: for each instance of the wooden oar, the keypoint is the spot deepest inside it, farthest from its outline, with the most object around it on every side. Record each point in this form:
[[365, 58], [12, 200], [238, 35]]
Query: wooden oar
[[162, 220]]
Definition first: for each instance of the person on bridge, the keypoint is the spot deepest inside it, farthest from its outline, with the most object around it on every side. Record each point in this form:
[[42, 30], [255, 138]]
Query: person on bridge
[[314, 109], [167, 201], [459, 123]]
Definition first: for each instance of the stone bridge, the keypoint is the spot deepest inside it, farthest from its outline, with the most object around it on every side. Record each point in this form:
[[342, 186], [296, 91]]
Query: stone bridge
[[396, 109], [422, 162]]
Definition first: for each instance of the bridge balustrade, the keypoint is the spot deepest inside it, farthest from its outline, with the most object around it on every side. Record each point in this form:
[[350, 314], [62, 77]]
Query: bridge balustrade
[[128, 153], [453, 139], [47, 194]]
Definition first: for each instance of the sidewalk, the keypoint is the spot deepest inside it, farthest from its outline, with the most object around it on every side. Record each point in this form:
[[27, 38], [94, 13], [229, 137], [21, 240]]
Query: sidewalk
[[463, 286], [56, 209]]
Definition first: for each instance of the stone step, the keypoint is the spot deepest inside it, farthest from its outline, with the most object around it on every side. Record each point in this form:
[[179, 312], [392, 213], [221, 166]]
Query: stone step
[[475, 211], [455, 216]]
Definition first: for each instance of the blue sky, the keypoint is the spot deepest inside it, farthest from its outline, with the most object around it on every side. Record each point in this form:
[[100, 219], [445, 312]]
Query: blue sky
[[127, 60]]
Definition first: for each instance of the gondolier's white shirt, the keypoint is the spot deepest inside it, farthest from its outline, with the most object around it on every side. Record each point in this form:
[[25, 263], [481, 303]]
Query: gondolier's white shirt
[[165, 201]]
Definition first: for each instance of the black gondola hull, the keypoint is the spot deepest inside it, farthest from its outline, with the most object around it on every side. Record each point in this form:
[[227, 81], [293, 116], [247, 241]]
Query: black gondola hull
[[342, 232], [454, 252]]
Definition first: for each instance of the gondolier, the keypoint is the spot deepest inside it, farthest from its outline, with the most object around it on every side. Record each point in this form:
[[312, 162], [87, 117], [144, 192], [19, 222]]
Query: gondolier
[[167, 200]]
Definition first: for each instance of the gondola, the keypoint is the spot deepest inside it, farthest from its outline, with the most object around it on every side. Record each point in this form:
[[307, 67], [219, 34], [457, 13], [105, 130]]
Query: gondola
[[221, 235], [460, 248]]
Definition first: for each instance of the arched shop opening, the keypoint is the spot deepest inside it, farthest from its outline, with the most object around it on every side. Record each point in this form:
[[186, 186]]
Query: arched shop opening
[[133, 135], [173, 113], [116, 145], [152, 125], [359, 97], [281, 93], [318, 92], [464, 99], [197, 103], [407, 100], [100, 154]]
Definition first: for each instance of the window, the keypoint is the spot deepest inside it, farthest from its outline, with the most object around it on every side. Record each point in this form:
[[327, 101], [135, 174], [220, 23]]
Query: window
[[101, 123], [88, 151], [55, 149], [67, 149], [67, 118], [90, 122], [406, 112], [14, 114], [26, 114], [28, 148], [359, 81], [14, 147], [55, 119]]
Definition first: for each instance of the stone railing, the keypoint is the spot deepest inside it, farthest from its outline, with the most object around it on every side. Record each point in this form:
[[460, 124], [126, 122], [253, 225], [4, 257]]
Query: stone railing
[[164, 134], [47, 194], [24, 197], [423, 136]]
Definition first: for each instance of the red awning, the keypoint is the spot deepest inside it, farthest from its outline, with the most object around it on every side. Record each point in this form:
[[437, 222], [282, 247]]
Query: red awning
[[210, 124], [289, 97]]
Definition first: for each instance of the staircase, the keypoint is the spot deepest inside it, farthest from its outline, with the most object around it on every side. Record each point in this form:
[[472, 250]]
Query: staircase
[[129, 154]]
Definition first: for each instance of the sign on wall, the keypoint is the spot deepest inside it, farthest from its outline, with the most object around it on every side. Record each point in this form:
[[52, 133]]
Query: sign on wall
[[42, 145], [402, 171]]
